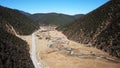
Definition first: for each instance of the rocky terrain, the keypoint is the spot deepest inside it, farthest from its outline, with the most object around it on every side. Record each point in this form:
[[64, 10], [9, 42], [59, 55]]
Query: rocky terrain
[[99, 28]]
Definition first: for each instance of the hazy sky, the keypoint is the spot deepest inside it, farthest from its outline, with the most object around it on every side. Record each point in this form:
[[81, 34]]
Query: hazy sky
[[60, 6]]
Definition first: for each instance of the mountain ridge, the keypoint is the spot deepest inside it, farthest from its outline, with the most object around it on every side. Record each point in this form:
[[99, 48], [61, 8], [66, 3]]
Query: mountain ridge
[[54, 18], [17, 20]]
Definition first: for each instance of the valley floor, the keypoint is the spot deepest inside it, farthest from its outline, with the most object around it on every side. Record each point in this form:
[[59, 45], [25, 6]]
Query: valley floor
[[54, 50]]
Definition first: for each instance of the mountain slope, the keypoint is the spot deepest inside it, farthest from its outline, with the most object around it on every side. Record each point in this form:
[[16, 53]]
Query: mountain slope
[[14, 52], [53, 18], [99, 28], [77, 16], [23, 12], [21, 23]]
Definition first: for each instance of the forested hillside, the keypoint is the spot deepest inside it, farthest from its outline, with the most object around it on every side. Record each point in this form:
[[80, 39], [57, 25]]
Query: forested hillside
[[21, 23], [54, 18], [99, 28], [14, 52]]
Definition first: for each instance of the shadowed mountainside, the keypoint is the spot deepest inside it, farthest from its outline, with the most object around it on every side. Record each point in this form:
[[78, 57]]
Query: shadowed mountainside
[[99, 28], [54, 18], [14, 52]]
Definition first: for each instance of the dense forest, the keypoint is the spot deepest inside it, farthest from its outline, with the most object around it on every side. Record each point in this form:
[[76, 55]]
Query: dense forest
[[99, 28]]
